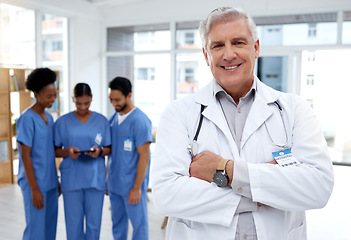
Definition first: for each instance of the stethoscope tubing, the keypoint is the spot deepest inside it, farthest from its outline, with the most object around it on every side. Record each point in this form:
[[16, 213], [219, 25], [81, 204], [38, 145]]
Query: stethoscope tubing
[[193, 147], [285, 145]]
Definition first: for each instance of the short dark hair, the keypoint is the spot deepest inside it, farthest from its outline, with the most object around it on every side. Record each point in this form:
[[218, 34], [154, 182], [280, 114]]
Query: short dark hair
[[39, 78], [82, 89], [122, 84]]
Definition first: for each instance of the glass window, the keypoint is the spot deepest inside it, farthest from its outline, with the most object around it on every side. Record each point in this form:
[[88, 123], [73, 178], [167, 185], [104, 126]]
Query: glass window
[[346, 33], [346, 28], [144, 73], [192, 73], [189, 38], [17, 36], [329, 95], [55, 56], [311, 29], [149, 72], [187, 35], [273, 72], [308, 34], [151, 86], [139, 38]]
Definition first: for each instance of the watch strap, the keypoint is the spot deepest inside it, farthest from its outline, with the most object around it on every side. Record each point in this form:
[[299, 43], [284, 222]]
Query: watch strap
[[222, 164]]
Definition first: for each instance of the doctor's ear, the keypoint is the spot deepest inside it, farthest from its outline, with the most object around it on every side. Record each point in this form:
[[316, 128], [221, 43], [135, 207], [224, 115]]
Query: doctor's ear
[[257, 48], [205, 55], [129, 96]]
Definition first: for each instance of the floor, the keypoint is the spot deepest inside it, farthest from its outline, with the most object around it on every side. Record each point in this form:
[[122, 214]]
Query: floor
[[330, 223], [12, 220]]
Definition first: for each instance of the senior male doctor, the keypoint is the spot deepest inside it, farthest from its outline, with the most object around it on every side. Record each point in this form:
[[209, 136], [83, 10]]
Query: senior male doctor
[[237, 159]]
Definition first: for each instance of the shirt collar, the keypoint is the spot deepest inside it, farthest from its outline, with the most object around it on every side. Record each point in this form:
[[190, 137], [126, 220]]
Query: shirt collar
[[218, 90]]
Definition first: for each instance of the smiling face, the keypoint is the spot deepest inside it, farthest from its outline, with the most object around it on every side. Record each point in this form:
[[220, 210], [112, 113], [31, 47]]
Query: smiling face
[[46, 96], [119, 101], [82, 104], [231, 54]]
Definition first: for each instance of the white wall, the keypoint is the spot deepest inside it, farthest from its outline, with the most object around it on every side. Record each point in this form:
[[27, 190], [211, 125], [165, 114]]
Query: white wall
[[86, 58], [151, 11]]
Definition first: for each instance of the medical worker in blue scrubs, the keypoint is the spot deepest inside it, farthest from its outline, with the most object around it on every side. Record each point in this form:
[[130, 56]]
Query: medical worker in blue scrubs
[[128, 166], [82, 173], [37, 175]]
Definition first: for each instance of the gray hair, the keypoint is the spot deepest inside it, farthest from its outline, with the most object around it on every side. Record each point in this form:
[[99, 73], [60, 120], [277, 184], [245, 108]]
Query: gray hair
[[225, 14]]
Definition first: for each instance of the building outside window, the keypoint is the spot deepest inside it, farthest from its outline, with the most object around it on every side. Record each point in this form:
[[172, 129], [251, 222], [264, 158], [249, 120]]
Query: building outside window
[[54, 37], [346, 28], [189, 38], [139, 55], [145, 74], [298, 30], [312, 30], [192, 72]]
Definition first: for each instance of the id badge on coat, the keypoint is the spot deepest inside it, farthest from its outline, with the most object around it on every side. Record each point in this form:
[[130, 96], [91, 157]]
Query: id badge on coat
[[285, 158], [98, 138], [128, 145]]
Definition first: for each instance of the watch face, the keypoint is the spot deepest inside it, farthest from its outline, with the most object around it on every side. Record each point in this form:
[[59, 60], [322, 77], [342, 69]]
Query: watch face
[[220, 178]]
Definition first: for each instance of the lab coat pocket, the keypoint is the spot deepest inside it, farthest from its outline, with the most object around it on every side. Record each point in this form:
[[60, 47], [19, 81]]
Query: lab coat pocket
[[181, 230], [298, 232]]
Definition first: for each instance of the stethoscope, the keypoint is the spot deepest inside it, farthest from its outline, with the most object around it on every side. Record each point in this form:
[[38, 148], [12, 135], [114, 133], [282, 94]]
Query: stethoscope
[[193, 147], [284, 145]]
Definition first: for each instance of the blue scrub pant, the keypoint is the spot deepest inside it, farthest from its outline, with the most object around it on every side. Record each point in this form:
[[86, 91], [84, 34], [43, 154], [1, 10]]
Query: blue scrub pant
[[41, 223], [82, 203], [121, 211]]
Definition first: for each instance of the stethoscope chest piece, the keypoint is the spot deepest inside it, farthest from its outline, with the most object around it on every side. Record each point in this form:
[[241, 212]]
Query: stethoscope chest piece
[[193, 148]]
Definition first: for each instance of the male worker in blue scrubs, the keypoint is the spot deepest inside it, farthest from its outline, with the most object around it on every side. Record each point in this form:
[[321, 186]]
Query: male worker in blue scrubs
[[128, 165]]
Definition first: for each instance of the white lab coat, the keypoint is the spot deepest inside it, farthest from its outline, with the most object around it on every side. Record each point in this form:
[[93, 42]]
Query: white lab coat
[[201, 210]]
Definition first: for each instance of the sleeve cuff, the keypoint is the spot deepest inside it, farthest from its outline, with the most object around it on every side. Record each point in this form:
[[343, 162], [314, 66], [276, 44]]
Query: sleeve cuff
[[241, 180]]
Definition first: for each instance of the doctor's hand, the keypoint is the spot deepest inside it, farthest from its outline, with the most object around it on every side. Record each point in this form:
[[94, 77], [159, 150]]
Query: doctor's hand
[[134, 196], [204, 165], [94, 154], [72, 154]]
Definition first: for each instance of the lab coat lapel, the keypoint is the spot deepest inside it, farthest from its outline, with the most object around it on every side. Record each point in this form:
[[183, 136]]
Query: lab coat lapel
[[259, 112], [214, 113]]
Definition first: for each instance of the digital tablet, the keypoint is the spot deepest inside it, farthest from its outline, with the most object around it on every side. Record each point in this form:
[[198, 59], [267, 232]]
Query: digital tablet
[[84, 151]]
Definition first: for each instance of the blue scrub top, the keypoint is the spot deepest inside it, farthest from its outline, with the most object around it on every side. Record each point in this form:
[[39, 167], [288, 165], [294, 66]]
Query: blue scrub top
[[133, 132], [85, 171], [33, 132]]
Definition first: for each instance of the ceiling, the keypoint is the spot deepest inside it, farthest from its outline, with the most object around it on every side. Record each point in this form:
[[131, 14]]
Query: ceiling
[[112, 2]]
